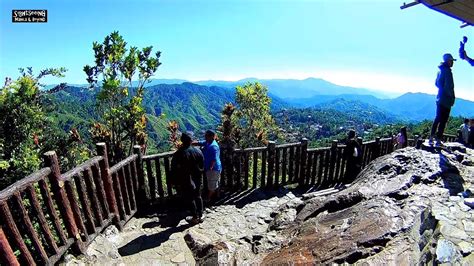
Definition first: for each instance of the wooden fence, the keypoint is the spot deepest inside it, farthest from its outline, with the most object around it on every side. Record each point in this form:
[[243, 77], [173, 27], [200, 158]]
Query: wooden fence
[[47, 213], [267, 167]]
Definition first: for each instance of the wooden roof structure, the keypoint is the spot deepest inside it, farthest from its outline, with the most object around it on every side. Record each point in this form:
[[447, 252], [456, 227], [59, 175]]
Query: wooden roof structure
[[462, 10]]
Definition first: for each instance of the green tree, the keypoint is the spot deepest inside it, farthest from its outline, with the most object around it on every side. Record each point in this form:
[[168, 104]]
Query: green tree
[[226, 127], [252, 122], [22, 123], [173, 130], [123, 122]]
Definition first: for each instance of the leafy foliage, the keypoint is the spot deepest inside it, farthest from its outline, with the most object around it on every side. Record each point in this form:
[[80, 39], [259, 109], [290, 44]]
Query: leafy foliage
[[227, 127], [25, 130], [173, 129], [123, 116], [252, 121]]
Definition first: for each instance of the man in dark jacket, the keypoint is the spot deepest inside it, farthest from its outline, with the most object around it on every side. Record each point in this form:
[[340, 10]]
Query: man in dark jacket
[[353, 156], [445, 98], [187, 168]]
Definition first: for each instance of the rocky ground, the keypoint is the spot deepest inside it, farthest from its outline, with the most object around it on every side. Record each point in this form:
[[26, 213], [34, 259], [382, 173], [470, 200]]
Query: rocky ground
[[408, 207]]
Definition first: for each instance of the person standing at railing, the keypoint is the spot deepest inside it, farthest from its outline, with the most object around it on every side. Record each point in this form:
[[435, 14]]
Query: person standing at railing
[[353, 156], [187, 167], [402, 139], [444, 100], [212, 163], [471, 134], [464, 132]]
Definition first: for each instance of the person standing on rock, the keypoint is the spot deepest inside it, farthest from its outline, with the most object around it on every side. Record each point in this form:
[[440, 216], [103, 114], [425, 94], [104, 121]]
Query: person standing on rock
[[212, 163], [352, 154], [444, 100], [187, 169]]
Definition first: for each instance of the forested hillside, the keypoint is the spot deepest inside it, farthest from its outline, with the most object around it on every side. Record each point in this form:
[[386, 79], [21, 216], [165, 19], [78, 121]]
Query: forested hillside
[[321, 125], [193, 106]]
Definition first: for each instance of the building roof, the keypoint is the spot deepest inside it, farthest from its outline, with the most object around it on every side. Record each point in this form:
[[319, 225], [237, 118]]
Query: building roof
[[462, 10]]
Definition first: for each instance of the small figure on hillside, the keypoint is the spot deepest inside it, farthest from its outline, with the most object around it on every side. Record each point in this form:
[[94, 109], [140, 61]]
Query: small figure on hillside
[[187, 169], [464, 132], [212, 163], [462, 52], [353, 156], [444, 100], [401, 139]]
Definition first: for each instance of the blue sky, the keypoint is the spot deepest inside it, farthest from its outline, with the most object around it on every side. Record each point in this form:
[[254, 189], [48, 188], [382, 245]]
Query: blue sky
[[362, 43]]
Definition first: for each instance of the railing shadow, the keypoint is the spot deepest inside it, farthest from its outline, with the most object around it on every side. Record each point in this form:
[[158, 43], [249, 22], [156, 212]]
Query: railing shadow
[[145, 242], [244, 197]]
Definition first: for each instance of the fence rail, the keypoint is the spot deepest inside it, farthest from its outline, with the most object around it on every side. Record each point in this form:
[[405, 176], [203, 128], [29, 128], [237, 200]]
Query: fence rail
[[267, 167], [47, 213]]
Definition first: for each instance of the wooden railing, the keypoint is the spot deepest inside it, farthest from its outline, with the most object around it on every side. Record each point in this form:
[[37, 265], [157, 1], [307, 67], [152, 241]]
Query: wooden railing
[[46, 213], [266, 167], [450, 138]]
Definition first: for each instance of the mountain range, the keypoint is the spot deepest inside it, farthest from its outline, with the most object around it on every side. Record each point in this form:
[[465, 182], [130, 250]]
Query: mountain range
[[410, 106], [294, 88], [198, 106]]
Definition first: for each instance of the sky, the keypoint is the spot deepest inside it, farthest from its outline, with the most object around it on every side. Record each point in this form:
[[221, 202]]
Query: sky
[[370, 44]]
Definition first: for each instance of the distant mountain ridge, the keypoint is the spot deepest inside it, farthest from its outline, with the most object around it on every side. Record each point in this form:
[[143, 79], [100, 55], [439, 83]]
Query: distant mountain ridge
[[409, 106], [314, 92], [294, 88], [282, 88]]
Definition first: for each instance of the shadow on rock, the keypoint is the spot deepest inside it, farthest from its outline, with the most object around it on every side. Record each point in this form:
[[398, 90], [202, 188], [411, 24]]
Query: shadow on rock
[[242, 198], [145, 242], [452, 179]]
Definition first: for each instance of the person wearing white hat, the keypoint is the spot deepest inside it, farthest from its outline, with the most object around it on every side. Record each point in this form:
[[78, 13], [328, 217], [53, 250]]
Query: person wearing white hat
[[444, 100]]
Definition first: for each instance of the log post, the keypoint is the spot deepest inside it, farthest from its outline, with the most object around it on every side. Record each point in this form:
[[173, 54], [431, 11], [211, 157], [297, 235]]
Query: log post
[[304, 155], [108, 183], [229, 166], [6, 252], [141, 189], [376, 149], [271, 162], [57, 186], [418, 142], [332, 163]]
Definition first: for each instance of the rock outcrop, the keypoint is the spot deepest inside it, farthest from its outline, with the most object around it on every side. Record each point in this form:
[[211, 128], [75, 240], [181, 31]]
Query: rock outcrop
[[403, 209], [409, 207]]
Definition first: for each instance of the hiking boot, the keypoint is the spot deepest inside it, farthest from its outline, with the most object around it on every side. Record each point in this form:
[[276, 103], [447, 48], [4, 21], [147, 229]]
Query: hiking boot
[[193, 220], [439, 143], [430, 140]]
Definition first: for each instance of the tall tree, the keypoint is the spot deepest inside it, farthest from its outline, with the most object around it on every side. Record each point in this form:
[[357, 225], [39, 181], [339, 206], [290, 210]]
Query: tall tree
[[123, 117], [252, 122], [22, 123]]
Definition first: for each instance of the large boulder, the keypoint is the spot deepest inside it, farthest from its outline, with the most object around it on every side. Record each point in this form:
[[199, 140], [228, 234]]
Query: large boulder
[[403, 208]]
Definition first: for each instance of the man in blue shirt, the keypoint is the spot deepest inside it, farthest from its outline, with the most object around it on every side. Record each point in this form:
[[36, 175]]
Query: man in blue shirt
[[212, 162]]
